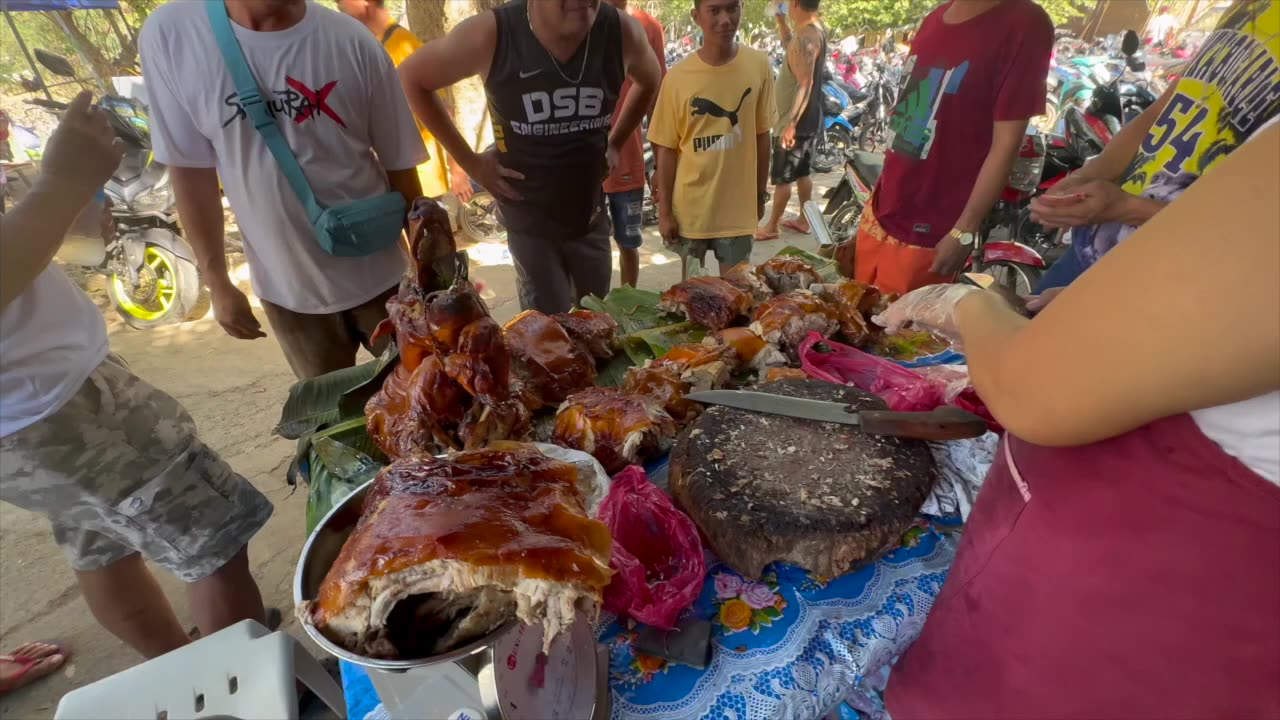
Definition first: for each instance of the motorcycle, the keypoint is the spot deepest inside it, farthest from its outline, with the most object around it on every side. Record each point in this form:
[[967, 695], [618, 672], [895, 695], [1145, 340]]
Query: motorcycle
[[835, 137], [152, 278], [873, 125], [846, 200], [1013, 264]]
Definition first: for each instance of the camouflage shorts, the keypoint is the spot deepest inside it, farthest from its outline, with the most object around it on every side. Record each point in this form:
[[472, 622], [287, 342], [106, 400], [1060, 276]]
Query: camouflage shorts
[[119, 469]]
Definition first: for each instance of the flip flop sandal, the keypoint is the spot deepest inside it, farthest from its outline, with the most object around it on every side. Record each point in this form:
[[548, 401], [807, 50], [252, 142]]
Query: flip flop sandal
[[26, 664], [765, 237], [796, 226]]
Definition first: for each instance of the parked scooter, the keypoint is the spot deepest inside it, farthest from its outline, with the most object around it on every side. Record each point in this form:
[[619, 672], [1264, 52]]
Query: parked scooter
[[835, 136], [152, 279]]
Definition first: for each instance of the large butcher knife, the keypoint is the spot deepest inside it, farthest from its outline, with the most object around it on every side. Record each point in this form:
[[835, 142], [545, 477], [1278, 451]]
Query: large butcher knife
[[943, 423]]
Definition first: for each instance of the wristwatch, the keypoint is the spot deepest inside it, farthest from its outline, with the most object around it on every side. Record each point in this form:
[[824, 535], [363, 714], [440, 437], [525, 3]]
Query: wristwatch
[[764, 197], [966, 238]]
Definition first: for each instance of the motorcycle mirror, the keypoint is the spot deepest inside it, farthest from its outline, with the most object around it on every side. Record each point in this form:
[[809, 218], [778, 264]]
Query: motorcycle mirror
[[55, 64], [1130, 44]]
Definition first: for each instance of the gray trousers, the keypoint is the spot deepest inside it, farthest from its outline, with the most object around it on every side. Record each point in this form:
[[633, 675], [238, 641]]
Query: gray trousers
[[553, 273]]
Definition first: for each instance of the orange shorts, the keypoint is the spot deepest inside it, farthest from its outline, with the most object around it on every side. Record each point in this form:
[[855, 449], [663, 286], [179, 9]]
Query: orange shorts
[[877, 258]]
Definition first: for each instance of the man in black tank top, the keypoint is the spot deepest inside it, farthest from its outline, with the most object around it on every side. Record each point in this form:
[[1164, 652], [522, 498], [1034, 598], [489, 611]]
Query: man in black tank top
[[552, 70]]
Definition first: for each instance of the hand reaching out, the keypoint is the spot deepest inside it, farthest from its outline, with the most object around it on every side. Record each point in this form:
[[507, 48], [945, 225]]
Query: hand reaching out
[[83, 151]]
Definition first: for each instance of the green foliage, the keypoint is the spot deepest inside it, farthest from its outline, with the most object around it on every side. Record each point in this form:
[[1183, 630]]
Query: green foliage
[[109, 52]]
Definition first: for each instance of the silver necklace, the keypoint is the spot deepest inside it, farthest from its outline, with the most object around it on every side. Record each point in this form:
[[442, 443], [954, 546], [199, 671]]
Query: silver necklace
[[556, 63]]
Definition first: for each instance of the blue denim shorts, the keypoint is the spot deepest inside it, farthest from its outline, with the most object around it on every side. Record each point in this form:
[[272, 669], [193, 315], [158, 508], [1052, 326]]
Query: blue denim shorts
[[625, 210]]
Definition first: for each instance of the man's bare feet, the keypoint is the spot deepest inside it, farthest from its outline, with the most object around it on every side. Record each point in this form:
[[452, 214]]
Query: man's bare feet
[[28, 663]]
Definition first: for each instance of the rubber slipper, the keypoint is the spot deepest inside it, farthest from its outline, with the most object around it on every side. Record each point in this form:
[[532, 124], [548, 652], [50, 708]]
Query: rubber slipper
[[32, 667], [762, 236], [796, 226]]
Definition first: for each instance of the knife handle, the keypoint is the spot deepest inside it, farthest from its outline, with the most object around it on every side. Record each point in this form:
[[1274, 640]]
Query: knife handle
[[943, 423]]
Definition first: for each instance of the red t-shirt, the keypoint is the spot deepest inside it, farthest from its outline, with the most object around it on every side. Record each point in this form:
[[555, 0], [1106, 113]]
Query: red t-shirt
[[629, 173], [959, 80]]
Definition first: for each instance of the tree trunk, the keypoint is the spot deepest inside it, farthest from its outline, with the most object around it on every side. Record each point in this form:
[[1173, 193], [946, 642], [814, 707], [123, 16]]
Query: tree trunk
[[98, 63], [431, 19]]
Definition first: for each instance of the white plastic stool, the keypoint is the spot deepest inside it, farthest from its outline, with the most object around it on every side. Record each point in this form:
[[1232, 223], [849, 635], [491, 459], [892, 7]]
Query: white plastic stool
[[244, 671]]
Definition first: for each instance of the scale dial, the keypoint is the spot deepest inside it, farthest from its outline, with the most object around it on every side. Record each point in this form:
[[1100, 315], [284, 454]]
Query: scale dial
[[523, 684]]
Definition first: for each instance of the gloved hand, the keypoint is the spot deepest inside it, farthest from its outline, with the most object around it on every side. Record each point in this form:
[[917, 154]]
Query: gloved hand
[[932, 308]]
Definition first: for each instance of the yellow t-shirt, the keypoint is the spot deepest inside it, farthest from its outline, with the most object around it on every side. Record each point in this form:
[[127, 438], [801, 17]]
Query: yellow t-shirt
[[711, 117], [434, 173]]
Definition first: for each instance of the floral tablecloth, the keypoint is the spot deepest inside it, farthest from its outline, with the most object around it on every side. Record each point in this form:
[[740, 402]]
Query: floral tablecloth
[[789, 647]]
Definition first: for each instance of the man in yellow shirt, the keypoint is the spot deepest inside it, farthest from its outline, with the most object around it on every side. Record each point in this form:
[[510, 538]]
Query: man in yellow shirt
[[710, 129], [435, 173]]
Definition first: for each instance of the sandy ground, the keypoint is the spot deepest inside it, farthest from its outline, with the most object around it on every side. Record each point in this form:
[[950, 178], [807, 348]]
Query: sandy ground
[[234, 389]]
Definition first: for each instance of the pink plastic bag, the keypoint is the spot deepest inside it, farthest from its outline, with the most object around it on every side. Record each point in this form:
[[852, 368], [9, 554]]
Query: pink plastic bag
[[657, 554], [902, 389]]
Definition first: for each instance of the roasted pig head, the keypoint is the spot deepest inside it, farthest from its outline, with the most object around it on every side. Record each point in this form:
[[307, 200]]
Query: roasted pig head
[[784, 274], [707, 301], [613, 427], [449, 549], [546, 361], [594, 332], [482, 363], [432, 250]]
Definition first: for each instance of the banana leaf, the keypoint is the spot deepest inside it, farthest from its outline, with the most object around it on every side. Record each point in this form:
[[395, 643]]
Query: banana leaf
[[655, 342], [611, 372], [333, 397], [634, 309], [335, 468], [828, 269]]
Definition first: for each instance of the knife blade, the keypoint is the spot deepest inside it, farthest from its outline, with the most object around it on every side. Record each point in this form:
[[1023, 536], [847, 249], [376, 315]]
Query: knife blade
[[943, 423]]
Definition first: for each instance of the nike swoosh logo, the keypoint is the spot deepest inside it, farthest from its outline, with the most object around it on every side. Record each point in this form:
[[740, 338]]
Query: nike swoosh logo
[[529, 74]]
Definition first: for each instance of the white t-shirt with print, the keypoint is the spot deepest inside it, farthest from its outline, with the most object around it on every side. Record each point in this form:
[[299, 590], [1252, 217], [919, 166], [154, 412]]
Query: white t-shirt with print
[[51, 338], [337, 98]]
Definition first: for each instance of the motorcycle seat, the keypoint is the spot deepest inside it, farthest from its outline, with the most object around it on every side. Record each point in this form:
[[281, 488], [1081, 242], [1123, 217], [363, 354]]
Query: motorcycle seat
[[868, 166]]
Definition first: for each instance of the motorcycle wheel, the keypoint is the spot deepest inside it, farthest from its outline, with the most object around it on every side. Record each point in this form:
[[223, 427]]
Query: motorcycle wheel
[[845, 221], [168, 291], [1014, 277], [479, 219], [872, 136], [834, 149], [1048, 122]]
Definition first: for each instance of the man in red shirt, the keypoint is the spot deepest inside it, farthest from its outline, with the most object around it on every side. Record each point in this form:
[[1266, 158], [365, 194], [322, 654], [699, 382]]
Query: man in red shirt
[[975, 76], [624, 187]]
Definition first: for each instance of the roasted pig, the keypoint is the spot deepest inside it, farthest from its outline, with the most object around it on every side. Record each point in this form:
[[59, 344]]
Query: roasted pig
[[616, 428], [482, 364], [785, 373], [707, 301], [748, 350], [448, 550], [546, 360], [663, 384], [594, 332], [848, 297], [784, 274], [416, 412], [744, 277], [786, 319]]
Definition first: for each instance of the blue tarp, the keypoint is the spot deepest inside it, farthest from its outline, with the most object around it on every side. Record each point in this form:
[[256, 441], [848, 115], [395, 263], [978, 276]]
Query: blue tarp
[[34, 5]]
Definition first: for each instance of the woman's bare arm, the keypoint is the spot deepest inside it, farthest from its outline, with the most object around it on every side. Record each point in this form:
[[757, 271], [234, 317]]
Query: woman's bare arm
[[1184, 314]]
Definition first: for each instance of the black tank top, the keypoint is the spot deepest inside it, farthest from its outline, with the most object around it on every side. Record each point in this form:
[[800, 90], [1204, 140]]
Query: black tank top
[[550, 129], [811, 119]]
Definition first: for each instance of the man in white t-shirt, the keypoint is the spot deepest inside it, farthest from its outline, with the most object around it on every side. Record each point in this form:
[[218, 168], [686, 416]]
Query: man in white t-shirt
[[337, 99], [114, 463]]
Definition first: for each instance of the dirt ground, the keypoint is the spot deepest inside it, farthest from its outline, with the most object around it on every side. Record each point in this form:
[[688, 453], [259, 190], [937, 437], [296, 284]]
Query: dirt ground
[[234, 389]]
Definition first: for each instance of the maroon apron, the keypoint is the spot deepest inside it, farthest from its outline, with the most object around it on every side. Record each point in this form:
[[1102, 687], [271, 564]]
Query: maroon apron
[[1138, 577]]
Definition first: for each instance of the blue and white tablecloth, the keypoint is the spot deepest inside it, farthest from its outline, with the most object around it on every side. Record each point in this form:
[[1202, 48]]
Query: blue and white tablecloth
[[789, 647]]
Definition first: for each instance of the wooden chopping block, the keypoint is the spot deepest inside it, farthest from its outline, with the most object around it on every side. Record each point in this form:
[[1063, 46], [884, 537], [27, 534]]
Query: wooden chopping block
[[824, 496]]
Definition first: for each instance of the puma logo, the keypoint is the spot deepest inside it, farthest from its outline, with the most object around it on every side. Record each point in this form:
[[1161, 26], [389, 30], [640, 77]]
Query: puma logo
[[703, 106]]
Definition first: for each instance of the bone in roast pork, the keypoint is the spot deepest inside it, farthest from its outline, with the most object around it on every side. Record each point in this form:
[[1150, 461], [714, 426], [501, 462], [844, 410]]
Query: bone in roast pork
[[784, 274], [786, 319], [616, 428], [449, 549], [848, 298], [707, 301]]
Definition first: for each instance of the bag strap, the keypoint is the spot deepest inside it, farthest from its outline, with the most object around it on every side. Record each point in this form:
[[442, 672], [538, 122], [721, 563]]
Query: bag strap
[[256, 108], [389, 32]]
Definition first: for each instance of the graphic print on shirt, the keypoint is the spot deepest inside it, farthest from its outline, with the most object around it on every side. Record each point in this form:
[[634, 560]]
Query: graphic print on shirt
[[911, 127], [699, 106], [298, 102], [1231, 89], [569, 110]]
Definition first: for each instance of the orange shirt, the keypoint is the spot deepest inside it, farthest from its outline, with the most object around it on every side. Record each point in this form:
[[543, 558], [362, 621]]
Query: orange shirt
[[629, 173]]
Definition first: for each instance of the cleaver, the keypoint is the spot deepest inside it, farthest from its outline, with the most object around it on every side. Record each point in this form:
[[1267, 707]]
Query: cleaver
[[943, 423]]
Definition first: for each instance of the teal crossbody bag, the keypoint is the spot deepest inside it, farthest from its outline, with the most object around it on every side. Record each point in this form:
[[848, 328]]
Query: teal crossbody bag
[[353, 229]]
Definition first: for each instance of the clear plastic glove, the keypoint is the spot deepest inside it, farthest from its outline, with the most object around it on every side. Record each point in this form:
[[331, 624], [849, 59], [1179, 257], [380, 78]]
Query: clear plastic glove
[[932, 308]]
